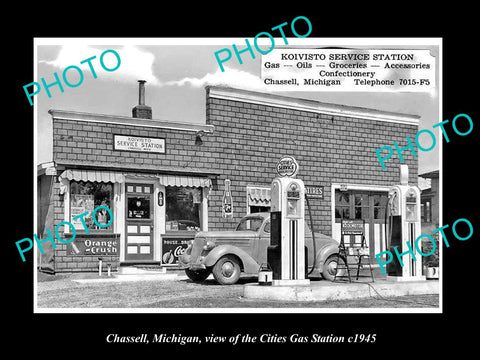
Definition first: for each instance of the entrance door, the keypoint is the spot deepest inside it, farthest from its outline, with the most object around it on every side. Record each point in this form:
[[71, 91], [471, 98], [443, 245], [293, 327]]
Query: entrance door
[[363, 205], [139, 222]]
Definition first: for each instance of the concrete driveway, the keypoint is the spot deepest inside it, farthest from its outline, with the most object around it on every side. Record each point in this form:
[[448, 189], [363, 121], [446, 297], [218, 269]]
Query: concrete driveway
[[88, 291]]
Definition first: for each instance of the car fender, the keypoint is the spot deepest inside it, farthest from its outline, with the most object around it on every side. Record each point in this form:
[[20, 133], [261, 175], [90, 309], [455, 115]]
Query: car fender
[[248, 264], [324, 253]]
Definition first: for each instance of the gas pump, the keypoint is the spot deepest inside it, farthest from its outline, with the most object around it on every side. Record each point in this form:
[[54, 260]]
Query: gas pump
[[286, 253], [402, 229]]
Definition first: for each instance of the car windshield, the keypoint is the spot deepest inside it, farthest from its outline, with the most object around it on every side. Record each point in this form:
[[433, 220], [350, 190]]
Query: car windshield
[[250, 223]]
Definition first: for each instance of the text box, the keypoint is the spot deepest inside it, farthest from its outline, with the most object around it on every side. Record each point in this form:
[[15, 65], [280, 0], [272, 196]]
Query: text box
[[392, 70]]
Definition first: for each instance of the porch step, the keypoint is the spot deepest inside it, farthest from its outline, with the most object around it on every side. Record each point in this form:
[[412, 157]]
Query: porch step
[[142, 270], [133, 277]]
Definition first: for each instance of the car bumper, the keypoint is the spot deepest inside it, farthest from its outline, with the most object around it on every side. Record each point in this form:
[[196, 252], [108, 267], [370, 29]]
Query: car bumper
[[185, 262]]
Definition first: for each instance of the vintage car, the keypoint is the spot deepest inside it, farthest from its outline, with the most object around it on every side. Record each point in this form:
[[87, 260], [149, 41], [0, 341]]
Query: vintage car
[[227, 254]]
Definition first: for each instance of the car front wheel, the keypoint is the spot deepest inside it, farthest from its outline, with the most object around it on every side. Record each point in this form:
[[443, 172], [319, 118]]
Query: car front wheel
[[227, 270], [197, 275]]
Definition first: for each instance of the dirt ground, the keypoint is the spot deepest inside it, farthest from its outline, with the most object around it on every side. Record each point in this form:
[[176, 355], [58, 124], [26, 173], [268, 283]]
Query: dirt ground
[[60, 291]]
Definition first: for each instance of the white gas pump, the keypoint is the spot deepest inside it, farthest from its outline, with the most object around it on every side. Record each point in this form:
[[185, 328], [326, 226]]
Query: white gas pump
[[286, 255], [403, 227]]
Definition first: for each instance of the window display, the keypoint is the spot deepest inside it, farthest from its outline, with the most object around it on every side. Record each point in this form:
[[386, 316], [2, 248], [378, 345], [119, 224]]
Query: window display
[[84, 197], [183, 208]]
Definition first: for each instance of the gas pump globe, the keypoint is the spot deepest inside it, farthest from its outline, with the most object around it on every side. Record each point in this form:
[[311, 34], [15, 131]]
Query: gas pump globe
[[402, 228]]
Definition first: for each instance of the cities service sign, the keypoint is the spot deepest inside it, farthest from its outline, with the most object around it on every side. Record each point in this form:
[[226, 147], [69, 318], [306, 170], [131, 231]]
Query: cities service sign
[[287, 166]]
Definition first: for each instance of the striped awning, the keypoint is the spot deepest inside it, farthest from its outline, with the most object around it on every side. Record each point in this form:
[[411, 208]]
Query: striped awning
[[185, 181], [259, 196], [111, 176], [93, 175]]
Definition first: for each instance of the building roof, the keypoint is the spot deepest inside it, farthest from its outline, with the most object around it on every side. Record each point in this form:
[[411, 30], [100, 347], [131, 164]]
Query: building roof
[[223, 92], [127, 120], [430, 175]]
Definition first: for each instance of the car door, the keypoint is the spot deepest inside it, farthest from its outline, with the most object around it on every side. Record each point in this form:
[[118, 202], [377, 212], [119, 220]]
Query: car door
[[262, 242]]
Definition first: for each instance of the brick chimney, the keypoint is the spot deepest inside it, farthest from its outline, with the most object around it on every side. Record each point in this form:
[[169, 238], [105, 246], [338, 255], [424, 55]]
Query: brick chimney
[[141, 110]]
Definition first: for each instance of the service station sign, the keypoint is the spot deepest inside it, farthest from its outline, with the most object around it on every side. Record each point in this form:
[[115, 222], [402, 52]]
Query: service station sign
[[138, 144]]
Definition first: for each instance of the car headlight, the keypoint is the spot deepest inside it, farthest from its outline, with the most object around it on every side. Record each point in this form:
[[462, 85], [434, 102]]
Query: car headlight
[[209, 245]]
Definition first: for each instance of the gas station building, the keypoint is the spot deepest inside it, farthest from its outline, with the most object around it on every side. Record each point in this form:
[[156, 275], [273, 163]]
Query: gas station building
[[165, 180]]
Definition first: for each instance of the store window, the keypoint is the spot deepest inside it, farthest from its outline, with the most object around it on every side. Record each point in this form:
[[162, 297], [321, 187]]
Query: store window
[[85, 197], [426, 210], [360, 205], [258, 199], [379, 205], [257, 209], [139, 197], [342, 204], [183, 207]]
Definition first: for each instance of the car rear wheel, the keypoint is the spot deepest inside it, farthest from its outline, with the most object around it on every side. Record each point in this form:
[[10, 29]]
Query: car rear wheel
[[330, 267], [227, 270], [197, 275]]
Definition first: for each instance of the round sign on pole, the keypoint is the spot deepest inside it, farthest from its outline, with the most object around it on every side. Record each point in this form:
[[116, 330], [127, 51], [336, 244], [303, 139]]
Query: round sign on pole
[[287, 166]]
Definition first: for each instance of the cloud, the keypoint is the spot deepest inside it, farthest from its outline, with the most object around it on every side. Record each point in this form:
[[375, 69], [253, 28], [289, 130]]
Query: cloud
[[230, 77], [135, 64]]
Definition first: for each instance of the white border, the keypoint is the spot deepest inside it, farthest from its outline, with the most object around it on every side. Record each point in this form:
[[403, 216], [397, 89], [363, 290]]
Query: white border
[[293, 42]]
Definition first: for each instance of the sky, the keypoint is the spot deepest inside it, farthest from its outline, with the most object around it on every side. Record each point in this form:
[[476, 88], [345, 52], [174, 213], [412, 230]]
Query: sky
[[177, 71]]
